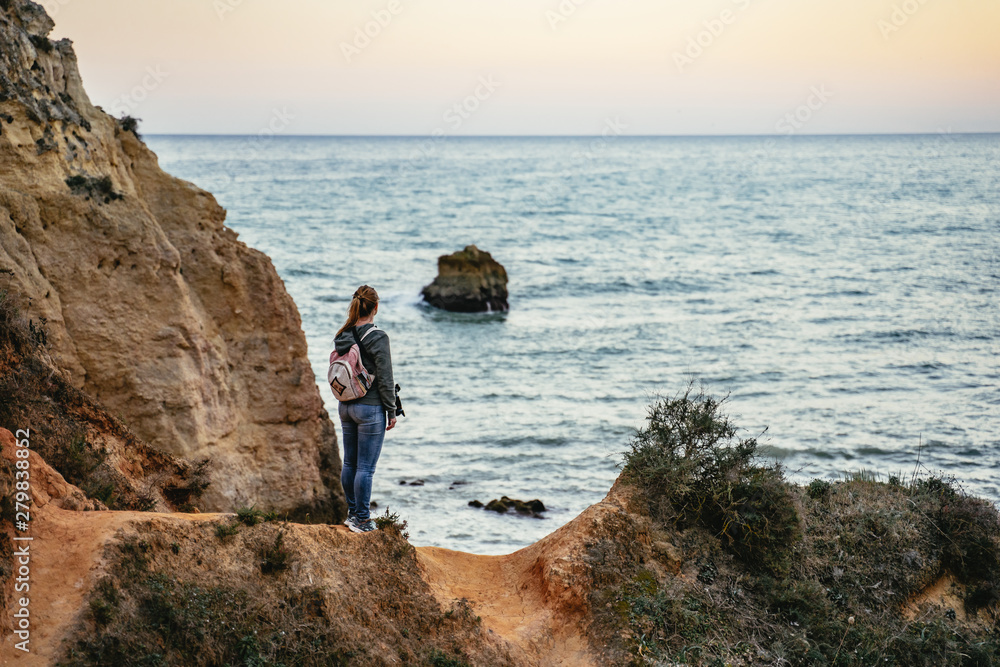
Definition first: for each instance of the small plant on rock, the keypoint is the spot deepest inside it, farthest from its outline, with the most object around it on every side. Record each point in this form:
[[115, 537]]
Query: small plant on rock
[[274, 557], [130, 124], [251, 516], [391, 521], [98, 188], [226, 530]]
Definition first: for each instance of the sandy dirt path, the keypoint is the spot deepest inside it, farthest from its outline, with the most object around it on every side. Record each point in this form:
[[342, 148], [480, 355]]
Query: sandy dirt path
[[533, 600], [511, 594], [66, 560], [520, 597]]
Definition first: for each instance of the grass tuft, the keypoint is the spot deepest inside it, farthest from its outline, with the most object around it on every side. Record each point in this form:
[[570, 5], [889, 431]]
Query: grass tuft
[[226, 530], [438, 658], [274, 557], [251, 516]]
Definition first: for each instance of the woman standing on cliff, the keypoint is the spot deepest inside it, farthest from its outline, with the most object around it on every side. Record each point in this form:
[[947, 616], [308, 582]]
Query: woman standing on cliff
[[365, 420]]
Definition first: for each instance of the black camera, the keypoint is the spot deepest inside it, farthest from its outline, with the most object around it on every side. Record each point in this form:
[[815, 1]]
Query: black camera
[[399, 404]]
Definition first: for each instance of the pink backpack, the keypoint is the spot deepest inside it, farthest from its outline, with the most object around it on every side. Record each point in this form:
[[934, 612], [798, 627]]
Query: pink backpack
[[348, 377]]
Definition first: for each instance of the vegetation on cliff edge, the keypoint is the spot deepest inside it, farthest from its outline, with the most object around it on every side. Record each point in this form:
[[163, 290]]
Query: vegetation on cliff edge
[[272, 594], [744, 568]]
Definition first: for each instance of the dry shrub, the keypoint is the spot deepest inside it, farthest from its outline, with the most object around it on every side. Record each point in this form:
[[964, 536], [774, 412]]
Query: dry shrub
[[838, 593], [696, 472], [972, 528]]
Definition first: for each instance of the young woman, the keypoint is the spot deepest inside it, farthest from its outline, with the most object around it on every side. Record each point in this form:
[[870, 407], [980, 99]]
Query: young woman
[[365, 420]]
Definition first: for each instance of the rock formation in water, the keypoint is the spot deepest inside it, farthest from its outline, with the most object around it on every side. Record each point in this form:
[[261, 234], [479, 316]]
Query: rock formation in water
[[468, 281], [151, 304], [504, 505]]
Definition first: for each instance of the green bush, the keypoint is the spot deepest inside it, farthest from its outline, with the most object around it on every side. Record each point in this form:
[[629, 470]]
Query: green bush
[[226, 530], [971, 525], [438, 658], [251, 516], [819, 489], [130, 124], [695, 471], [105, 601], [836, 570]]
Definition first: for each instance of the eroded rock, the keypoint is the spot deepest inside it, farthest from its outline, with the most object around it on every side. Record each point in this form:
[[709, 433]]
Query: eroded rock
[[153, 306], [468, 281]]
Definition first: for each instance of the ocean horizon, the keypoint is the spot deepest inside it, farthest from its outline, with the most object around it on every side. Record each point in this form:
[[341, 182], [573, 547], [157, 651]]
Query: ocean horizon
[[449, 137]]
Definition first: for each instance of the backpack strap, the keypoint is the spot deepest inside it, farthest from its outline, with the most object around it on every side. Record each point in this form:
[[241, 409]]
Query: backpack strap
[[361, 345]]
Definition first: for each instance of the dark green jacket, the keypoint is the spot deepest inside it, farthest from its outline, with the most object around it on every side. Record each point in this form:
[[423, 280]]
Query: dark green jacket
[[378, 362]]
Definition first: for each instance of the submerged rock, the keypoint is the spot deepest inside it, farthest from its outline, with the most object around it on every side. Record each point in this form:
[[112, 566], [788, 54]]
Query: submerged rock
[[503, 505], [469, 281]]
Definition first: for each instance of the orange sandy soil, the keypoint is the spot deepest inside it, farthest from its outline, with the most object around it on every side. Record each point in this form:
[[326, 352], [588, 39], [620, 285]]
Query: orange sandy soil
[[66, 561], [528, 598], [515, 597], [508, 592]]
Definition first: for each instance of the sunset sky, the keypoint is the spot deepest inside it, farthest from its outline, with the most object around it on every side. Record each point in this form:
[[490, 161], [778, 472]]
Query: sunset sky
[[480, 67]]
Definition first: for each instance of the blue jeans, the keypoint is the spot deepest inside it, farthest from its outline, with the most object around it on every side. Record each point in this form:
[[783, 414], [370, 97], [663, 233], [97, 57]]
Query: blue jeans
[[364, 433]]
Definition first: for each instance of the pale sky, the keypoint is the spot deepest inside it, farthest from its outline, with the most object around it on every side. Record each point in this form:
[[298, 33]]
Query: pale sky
[[482, 67]]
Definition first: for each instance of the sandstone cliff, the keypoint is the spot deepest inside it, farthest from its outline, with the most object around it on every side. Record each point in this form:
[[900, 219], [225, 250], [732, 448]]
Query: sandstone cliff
[[151, 304], [89, 447]]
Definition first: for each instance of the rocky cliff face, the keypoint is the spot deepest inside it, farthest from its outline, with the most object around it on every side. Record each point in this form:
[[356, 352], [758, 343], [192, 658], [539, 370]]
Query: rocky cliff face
[[151, 303]]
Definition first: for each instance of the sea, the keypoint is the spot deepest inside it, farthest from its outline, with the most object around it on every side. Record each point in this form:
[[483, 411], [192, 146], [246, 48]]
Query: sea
[[842, 291]]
